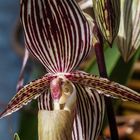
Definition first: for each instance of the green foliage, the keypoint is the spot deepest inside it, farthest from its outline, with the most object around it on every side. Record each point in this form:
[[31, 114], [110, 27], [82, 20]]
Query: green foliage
[[111, 58], [123, 71], [28, 123]]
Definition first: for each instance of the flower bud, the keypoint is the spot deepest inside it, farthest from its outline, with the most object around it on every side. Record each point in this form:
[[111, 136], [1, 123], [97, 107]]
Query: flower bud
[[107, 15], [128, 39]]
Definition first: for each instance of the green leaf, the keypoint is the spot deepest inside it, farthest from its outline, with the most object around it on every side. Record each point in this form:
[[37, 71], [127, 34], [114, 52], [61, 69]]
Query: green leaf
[[123, 71], [111, 58], [28, 123]]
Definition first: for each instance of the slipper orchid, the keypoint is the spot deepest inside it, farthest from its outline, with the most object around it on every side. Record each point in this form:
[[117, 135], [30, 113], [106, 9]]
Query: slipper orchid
[[60, 37]]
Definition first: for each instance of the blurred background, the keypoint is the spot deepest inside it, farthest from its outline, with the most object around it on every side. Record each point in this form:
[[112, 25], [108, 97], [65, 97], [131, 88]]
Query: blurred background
[[9, 65], [25, 121]]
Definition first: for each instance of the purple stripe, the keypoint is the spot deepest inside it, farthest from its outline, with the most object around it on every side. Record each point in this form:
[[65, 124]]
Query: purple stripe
[[90, 112], [56, 33]]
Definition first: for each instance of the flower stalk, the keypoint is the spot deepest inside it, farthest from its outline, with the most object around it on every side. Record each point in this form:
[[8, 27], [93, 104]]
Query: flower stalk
[[103, 73]]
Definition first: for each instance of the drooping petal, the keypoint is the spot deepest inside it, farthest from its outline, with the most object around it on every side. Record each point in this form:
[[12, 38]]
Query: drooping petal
[[90, 114], [107, 14], [128, 39], [26, 94], [56, 33], [107, 87], [21, 75]]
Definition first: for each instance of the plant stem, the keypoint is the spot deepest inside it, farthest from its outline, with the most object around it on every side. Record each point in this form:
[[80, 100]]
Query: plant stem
[[108, 102]]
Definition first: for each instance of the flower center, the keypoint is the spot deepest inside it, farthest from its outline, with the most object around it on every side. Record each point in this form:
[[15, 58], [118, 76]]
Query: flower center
[[63, 93]]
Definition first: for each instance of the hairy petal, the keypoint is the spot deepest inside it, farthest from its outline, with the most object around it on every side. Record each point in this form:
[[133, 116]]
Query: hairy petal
[[26, 94], [56, 33], [104, 85], [90, 114]]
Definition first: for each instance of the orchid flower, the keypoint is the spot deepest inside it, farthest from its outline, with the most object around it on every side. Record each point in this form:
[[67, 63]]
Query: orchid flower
[[58, 34]]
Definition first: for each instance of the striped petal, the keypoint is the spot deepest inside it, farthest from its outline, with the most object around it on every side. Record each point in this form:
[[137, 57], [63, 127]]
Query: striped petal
[[45, 101], [56, 33], [104, 86], [128, 39], [107, 14], [26, 94], [90, 114]]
